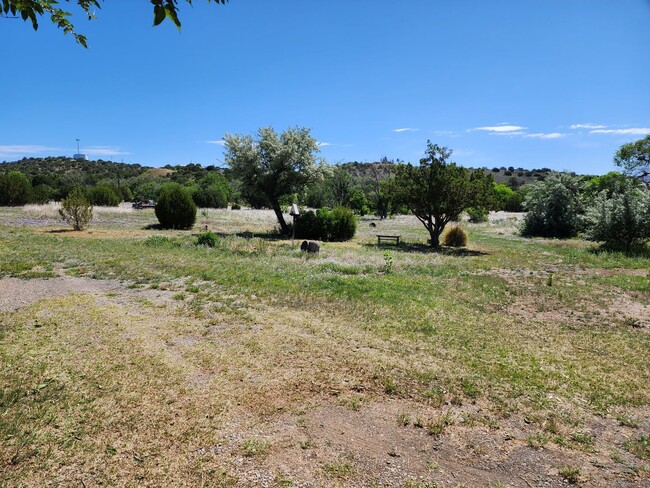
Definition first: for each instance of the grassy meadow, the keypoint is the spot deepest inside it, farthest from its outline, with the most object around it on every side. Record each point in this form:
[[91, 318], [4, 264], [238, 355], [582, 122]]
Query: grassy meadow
[[512, 362]]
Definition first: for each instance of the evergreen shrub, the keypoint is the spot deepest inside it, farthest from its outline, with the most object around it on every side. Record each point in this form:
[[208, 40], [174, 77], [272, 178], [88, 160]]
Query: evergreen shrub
[[104, 195], [175, 208], [339, 224], [76, 210]]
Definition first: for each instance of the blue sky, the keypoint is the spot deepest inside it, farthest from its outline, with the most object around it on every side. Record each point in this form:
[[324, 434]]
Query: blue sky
[[531, 83]]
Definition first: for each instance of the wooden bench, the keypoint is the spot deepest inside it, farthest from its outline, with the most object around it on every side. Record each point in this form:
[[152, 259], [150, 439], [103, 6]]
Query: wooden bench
[[387, 238]]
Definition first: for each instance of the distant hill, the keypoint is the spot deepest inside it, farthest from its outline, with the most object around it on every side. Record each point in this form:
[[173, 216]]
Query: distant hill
[[84, 171], [514, 177]]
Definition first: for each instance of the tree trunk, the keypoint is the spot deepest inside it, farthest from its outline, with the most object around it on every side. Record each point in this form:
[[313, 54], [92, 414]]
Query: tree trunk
[[284, 228], [435, 231], [435, 238]]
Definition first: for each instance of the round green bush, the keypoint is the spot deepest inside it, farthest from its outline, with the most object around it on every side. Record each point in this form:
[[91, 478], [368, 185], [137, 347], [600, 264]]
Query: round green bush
[[210, 197], [175, 208], [103, 195], [344, 224], [339, 224]]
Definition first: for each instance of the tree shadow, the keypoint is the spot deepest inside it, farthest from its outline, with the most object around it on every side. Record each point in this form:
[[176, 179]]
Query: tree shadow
[[638, 251], [61, 231], [426, 249], [267, 235]]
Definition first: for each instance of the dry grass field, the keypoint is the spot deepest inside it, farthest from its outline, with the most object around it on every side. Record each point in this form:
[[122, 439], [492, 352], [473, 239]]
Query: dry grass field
[[132, 357]]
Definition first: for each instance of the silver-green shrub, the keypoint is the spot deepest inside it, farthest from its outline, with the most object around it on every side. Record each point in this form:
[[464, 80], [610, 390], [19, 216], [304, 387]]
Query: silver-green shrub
[[621, 221], [553, 207]]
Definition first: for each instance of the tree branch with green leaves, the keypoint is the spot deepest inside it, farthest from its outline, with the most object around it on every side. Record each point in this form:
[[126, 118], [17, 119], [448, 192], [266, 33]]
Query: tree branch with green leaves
[[33, 10]]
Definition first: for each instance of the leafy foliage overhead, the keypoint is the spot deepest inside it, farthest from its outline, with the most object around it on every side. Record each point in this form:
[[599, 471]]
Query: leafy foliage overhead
[[31, 10]]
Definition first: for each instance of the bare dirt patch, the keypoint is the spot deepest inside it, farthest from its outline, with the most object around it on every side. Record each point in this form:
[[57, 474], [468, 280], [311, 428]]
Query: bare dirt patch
[[16, 293]]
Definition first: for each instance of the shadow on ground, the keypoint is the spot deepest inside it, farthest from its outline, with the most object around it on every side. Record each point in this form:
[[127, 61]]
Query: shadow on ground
[[426, 249]]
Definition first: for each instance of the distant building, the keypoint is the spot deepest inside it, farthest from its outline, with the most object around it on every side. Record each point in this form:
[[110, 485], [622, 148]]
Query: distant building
[[81, 156]]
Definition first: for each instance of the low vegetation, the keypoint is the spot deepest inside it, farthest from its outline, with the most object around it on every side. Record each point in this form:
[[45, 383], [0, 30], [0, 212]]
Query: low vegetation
[[177, 364], [137, 353], [76, 210]]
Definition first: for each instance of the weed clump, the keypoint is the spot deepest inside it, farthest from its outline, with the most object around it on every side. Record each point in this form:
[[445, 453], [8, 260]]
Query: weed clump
[[207, 238], [455, 237], [175, 208], [570, 473]]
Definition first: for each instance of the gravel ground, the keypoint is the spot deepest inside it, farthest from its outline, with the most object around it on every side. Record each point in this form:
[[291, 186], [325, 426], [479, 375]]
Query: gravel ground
[[16, 293]]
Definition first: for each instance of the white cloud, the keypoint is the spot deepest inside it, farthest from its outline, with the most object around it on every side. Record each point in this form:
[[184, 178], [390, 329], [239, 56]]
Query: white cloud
[[635, 131], [220, 142], [103, 151], [17, 150], [587, 126], [551, 135], [500, 129], [406, 129]]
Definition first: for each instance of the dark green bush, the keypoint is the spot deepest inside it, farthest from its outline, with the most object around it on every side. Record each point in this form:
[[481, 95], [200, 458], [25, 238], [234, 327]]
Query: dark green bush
[[344, 224], [175, 208], [104, 195], [15, 189], [235, 206], [210, 197], [207, 238], [308, 226], [43, 193], [339, 224]]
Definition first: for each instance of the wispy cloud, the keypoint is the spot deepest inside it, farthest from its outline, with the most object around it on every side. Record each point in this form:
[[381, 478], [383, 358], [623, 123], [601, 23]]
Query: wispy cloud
[[587, 126], [220, 142], [406, 129], [635, 131], [17, 150], [550, 135], [502, 129], [103, 151]]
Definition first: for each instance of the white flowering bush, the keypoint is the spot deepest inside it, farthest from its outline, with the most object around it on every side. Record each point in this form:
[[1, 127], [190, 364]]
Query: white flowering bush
[[622, 221]]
